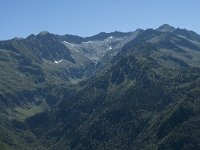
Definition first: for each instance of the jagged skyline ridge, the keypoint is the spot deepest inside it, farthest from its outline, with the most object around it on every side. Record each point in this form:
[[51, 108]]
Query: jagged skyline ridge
[[86, 18]]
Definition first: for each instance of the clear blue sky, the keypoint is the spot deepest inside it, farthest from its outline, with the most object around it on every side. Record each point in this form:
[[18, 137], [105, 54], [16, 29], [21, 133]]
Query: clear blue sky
[[19, 18]]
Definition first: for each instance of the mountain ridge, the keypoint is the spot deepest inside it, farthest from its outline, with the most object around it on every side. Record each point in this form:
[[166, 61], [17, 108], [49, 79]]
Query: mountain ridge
[[87, 37], [134, 90]]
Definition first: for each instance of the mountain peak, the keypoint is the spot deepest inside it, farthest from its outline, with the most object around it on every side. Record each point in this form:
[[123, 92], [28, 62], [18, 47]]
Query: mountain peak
[[166, 28], [43, 33]]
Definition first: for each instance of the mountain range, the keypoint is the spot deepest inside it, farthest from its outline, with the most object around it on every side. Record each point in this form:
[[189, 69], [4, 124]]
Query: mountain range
[[134, 90]]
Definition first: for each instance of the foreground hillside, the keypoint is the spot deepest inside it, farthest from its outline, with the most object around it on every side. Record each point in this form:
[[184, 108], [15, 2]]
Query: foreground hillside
[[136, 90]]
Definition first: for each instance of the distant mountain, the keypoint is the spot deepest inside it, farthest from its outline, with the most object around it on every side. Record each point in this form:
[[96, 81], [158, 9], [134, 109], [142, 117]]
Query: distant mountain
[[103, 36], [166, 28], [135, 90], [71, 38]]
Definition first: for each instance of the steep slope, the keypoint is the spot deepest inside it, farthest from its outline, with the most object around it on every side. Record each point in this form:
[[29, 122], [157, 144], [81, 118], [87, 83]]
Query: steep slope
[[98, 46], [132, 102], [27, 83], [136, 90], [33, 70], [173, 49]]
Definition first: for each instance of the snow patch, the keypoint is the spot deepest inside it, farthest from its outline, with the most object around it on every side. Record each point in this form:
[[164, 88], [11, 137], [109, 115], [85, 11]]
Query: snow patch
[[66, 42], [59, 61], [110, 37], [110, 47], [88, 42]]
